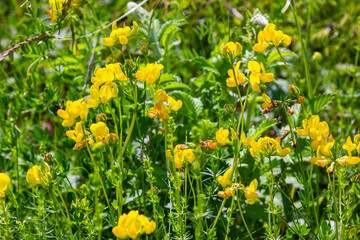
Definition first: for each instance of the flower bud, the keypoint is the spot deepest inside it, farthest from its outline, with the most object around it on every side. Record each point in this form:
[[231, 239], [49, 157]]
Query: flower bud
[[112, 139], [316, 56], [48, 157], [101, 117], [294, 91]]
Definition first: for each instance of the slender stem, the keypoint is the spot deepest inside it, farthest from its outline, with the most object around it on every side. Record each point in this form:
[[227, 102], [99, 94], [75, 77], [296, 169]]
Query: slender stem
[[52, 193], [286, 66], [97, 172], [217, 216], [242, 217]]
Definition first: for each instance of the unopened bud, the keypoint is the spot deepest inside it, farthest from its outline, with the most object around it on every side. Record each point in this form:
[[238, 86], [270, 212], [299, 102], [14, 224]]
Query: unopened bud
[[316, 56], [112, 139], [290, 111], [294, 91], [101, 117]]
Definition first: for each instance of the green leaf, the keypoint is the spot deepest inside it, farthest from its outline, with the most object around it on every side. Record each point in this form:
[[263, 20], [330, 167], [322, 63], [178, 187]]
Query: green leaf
[[320, 102], [168, 29], [192, 107], [266, 124], [274, 56], [176, 86], [167, 77], [206, 64]]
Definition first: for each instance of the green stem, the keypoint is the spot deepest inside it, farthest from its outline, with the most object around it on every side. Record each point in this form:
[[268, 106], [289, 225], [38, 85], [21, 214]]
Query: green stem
[[286, 66], [243, 219], [217, 216]]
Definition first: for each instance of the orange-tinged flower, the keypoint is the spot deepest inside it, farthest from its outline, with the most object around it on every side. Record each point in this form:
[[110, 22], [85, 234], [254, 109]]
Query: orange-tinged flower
[[211, 144]]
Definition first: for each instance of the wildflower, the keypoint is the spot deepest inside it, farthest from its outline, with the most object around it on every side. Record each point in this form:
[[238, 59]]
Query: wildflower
[[116, 70], [316, 130], [267, 101], [246, 142], [270, 35], [120, 35], [4, 183], [108, 91], [183, 154], [330, 169], [102, 75], [212, 145], [133, 225], [209, 144], [56, 5], [267, 146], [222, 136], [225, 180], [77, 134], [349, 146], [150, 73], [250, 193], [237, 79], [34, 176], [162, 111], [74, 109], [231, 51], [258, 75], [100, 131], [174, 105], [94, 100]]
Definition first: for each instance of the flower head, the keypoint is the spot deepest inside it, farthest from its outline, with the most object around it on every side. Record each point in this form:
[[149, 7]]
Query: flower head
[[150, 73], [258, 75], [34, 176], [120, 35], [231, 51], [270, 35], [237, 79], [267, 146], [222, 136], [133, 225], [182, 155]]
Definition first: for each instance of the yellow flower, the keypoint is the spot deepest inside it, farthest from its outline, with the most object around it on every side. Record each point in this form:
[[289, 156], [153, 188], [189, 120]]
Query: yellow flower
[[118, 73], [108, 91], [349, 146], [268, 35], [250, 194], [150, 73], [72, 112], [222, 136], [320, 161], [56, 6], [100, 131], [102, 75], [4, 183], [258, 75], [77, 134], [175, 105], [183, 154], [120, 35], [231, 51], [94, 100], [161, 96], [225, 180], [267, 101], [238, 79], [234, 135], [267, 146], [246, 142], [133, 225], [34, 175]]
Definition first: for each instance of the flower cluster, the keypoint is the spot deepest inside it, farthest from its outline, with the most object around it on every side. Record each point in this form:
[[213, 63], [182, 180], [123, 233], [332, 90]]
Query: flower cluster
[[266, 146], [222, 136], [182, 155], [270, 35], [150, 73], [133, 225], [104, 88], [231, 51], [120, 35], [349, 146], [249, 191], [4, 183], [164, 106], [34, 176]]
